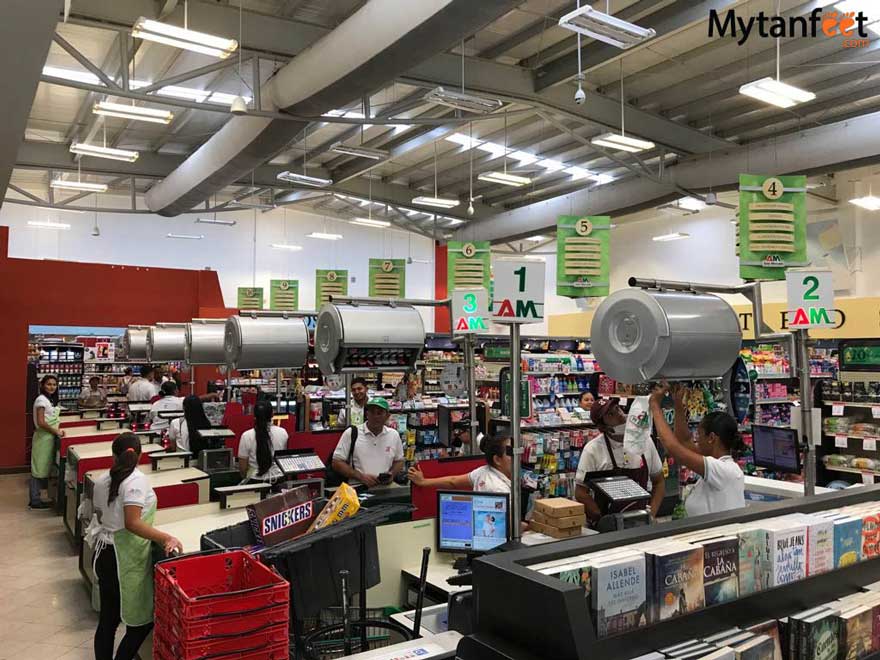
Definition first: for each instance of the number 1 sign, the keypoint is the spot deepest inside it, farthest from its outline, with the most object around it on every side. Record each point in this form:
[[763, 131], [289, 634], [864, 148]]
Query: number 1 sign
[[519, 291]]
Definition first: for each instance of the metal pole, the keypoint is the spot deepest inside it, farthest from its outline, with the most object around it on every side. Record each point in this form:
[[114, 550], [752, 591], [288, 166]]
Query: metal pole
[[516, 440], [277, 391], [803, 367], [471, 389], [347, 395]]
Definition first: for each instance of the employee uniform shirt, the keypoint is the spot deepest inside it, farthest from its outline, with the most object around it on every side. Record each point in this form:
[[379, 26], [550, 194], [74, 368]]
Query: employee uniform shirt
[[43, 402], [90, 398], [165, 404], [357, 415], [595, 458], [488, 479], [373, 454], [178, 432], [135, 490], [142, 390], [247, 448], [722, 488]]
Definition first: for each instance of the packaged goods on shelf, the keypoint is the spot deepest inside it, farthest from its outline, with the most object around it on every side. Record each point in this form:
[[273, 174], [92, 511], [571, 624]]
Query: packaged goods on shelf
[[775, 414], [771, 390], [836, 425]]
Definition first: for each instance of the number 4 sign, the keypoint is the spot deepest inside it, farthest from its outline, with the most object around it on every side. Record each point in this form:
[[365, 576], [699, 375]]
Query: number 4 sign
[[810, 298], [519, 291]]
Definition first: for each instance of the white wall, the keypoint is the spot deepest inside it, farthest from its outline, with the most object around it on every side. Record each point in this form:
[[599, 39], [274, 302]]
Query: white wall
[[140, 240]]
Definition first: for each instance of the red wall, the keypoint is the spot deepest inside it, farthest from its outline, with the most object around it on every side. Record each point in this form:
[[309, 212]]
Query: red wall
[[65, 293], [442, 322]]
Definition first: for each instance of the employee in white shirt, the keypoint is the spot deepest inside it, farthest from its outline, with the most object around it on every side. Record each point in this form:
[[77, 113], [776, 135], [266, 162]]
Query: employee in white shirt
[[493, 477], [722, 485], [377, 449], [358, 401], [144, 388], [258, 445], [92, 396], [169, 402]]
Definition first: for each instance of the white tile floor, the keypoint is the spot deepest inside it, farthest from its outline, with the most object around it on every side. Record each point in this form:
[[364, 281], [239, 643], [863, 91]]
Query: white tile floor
[[45, 611]]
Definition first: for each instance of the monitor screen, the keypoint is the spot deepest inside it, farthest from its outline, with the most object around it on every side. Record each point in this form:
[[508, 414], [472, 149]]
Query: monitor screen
[[470, 522], [776, 448]]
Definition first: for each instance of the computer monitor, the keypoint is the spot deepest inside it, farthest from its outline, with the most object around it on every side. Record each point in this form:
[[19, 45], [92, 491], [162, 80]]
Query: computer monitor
[[471, 522], [776, 448]]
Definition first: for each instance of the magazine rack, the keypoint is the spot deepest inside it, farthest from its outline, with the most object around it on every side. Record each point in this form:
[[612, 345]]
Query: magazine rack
[[552, 618]]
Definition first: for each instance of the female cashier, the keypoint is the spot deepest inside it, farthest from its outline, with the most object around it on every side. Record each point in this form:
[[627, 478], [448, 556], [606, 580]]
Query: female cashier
[[121, 532], [493, 477], [722, 484], [47, 417]]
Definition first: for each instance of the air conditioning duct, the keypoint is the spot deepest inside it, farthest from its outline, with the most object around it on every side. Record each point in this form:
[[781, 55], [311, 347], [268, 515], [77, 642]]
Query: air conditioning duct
[[206, 341], [266, 342], [134, 342], [166, 342]]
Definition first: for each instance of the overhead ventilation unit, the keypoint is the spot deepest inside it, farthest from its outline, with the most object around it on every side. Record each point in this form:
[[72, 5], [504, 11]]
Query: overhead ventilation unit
[[166, 342], [606, 28], [134, 342], [205, 341], [263, 340]]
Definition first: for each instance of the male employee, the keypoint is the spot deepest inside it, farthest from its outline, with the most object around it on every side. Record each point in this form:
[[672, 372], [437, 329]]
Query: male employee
[[144, 388], [92, 396], [377, 449], [358, 400]]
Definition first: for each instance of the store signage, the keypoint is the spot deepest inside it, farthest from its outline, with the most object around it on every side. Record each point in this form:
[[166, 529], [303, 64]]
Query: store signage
[[860, 356], [250, 297], [470, 310], [519, 291], [849, 26], [284, 295], [468, 264], [330, 283], [388, 278], [810, 298], [582, 248], [506, 398], [772, 226]]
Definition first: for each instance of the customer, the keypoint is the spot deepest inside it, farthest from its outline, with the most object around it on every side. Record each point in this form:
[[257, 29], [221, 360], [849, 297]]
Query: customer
[[127, 380], [722, 485], [144, 388], [493, 477], [586, 401], [121, 533], [168, 402], [258, 445], [604, 456], [184, 431], [47, 418], [92, 396], [377, 449], [358, 400]]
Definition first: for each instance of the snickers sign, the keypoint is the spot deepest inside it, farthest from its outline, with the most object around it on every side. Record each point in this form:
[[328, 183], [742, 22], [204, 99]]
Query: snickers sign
[[282, 517]]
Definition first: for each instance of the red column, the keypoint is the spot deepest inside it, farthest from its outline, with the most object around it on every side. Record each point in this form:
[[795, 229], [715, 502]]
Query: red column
[[442, 322]]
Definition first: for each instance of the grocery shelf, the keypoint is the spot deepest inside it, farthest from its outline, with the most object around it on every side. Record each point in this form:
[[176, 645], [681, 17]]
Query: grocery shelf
[[761, 402], [851, 470], [853, 437], [559, 373], [851, 404]]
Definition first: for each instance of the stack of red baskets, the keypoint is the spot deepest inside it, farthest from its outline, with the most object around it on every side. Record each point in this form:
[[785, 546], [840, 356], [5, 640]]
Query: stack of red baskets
[[222, 605]]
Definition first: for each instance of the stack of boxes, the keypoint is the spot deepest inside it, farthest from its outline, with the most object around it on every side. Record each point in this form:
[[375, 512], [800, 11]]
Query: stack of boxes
[[558, 517]]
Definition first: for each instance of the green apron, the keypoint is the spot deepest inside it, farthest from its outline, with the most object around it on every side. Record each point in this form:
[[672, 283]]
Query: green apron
[[43, 446], [134, 565]]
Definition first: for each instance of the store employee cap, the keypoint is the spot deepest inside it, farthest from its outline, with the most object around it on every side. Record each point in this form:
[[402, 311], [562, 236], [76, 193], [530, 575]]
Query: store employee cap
[[600, 408], [378, 402]]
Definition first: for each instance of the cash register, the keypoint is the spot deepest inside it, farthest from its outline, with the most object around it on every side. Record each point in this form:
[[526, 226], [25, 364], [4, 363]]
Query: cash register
[[622, 502]]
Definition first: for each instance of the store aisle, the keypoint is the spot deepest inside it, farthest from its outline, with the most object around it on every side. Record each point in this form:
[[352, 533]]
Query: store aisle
[[45, 612]]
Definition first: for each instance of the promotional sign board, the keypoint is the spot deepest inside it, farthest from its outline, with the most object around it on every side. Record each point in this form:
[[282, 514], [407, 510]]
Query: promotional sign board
[[582, 263], [330, 283], [388, 278], [519, 291], [468, 264], [284, 295], [810, 298], [250, 297], [470, 310]]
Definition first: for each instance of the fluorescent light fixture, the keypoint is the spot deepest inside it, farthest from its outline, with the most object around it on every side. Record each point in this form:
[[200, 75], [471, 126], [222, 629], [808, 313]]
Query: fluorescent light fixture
[[536, 239], [462, 101], [72, 74], [677, 236], [505, 179], [286, 246], [103, 152], [622, 143], [133, 112], [188, 93], [188, 237], [304, 179], [691, 204], [216, 221], [222, 98], [359, 151], [324, 236], [605, 28], [436, 202], [869, 203], [252, 205], [48, 224], [369, 222], [775, 92], [81, 186], [171, 35]]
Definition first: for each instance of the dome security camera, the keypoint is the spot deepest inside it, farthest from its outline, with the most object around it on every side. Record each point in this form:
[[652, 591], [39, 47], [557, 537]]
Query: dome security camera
[[580, 96]]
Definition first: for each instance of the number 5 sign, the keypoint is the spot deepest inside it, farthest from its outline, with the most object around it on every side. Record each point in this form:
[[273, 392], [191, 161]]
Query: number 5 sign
[[810, 298], [519, 291]]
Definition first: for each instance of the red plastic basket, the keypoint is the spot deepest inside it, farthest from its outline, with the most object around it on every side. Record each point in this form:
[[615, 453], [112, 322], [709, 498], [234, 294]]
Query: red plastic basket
[[163, 651], [222, 645], [221, 624]]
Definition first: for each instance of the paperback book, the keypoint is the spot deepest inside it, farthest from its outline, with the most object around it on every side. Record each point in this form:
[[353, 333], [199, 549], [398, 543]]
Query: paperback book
[[758, 648], [619, 595], [847, 541], [753, 574], [720, 570], [854, 633], [771, 629], [786, 550], [819, 638], [820, 544], [677, 581]]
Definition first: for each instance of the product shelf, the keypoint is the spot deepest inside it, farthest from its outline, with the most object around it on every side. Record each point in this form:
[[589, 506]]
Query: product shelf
[[761, 402], [851, 404]]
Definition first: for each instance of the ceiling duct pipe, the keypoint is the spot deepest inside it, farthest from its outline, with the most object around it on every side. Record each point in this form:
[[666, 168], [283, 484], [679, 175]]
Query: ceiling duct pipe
[[262, 341], [205, 342], [134, 342], [166, 342], [376, 44]]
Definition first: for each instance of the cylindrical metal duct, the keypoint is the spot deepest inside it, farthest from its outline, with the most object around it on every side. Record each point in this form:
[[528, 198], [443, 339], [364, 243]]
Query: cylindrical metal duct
[[134, 342], [166, 342], [640, 336], [206, 341], [266, 342], [368, 337]]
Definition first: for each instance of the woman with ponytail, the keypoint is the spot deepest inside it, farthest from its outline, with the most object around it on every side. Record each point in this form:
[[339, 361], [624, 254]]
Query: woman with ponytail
[[258, 445], [184, 431], [121, 533]]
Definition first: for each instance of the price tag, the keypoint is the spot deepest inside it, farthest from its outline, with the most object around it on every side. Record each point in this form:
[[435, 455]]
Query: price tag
[[837, 409], [623, 401], [869, 444], [841, 441], [867, 478], [875, 412]]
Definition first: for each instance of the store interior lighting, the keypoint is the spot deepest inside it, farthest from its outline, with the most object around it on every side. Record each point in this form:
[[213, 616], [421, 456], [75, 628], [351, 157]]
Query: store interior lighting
[[370, 222], [462, 101], [436, 202], [132, 112], [48, 224], [80, 186], [605, 28], [186, 237], [505, 179], [304, 179], [99, 151], [216, 221], [359, 151], [621, 142], [775, 92], [868, 202], [171, 35], [324, 236], [677, 236], [287, 246], [536, 239], [691, 204]]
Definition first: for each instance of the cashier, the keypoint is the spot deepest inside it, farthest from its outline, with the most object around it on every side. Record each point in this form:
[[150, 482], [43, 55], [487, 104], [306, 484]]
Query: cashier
[[168, 402], [377, 448], [493, 477], [144, 388], [256, 450], [604, 456], [92, 396], [47, 418], [358, 401], [722, 486]]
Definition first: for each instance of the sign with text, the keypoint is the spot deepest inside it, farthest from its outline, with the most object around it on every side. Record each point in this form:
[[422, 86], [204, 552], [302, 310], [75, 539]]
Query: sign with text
[[810, 298], [468, 264], [284, 295], [329, 283], [470, 310], [250, 297], [519, 291], [387, 278], [582, 265]]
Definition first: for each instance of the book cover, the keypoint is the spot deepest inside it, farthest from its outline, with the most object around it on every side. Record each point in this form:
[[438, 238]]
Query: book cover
[[847, 541], [753, 575], [759, 648], [819, 640], [795, 627], [578, 575], [787, 550], [720, 570], [772, 630], [619, 594], [870, 533], [854, 633], [677, 576], [820, 544], [724, 653]]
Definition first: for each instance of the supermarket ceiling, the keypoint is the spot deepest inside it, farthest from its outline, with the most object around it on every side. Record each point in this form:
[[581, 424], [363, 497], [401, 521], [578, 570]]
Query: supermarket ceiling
[[681, 92]]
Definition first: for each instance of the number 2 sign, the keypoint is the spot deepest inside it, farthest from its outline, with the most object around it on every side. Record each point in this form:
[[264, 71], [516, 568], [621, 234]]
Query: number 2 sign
[[519, 291], [810, 298]]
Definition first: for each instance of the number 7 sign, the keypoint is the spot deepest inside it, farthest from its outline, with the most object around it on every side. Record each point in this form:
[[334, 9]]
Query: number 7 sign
[[519, 291]]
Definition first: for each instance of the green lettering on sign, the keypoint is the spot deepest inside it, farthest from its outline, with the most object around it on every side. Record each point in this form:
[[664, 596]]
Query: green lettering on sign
[[819, 315], [526, 308]]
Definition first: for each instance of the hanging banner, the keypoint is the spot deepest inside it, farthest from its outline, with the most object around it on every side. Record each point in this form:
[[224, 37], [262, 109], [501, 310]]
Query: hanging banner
[[772, 226], [250, 297], [330, 283], [388, 278], [468, 265], [284, 295], [583, 246]]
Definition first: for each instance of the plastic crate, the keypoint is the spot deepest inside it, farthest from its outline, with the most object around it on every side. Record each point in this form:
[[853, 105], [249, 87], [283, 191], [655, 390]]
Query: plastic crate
[[163, 651], [202, 585], [221, 624], [223, 645]]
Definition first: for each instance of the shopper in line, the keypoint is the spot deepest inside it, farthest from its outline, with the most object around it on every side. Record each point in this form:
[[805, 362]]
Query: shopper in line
[[127, 380], [604, 456], [121, 532], [722, 485], [168, 401], [377, 448], [586, 401], [493, 477], [184, 432], [92, 396], [144, 388], [258, 445], [47, 420], [358, 401]]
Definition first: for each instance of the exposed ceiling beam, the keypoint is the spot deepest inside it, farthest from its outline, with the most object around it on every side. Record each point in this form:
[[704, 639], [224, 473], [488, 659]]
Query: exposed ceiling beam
[[523, 35]]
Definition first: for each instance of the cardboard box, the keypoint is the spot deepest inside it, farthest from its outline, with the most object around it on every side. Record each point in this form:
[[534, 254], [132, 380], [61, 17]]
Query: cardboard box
[[283, 517], [555, 532], [559, 507], [561, 523]]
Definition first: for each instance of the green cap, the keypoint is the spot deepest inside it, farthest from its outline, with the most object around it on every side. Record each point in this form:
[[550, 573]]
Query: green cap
[[378, 402]]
